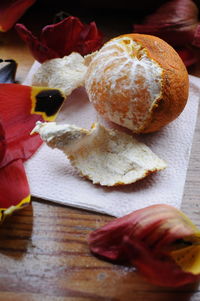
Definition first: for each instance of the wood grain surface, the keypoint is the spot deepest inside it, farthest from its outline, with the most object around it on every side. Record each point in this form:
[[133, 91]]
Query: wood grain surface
[[44, 253]]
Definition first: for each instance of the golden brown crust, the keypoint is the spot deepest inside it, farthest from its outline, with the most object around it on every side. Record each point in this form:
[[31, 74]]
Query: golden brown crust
[[175, 81]]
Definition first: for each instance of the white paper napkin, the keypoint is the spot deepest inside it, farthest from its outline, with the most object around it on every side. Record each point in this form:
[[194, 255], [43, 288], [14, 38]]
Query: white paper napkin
[[51, 176]]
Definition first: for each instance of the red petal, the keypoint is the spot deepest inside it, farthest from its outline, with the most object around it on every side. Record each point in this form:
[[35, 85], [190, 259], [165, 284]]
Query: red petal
[[14, 188], [196, 41], [158, 271], [62, 36], [17, 120], [20, 108], [11, 11], [145, 239], [40, 51], [188, 56], [2, 143], [90, 39], [176, 29], [18, 115], [60, 39]]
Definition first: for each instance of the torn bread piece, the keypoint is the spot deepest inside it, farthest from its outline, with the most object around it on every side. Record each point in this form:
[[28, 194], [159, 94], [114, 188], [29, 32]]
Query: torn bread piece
[[67, 73], [105, 156]]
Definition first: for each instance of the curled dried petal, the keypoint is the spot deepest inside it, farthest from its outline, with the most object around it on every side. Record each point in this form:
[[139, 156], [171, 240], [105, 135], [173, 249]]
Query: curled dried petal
[[152, 240], [40, 51], [61, 39]]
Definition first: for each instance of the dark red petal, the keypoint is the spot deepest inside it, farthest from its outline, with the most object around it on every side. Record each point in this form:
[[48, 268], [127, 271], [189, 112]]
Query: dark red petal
[[40, 51], [196, 40], [11, 11], [175, 22], [188, 56], [14, 188], [175, 28], [90, 39], [62, 37]]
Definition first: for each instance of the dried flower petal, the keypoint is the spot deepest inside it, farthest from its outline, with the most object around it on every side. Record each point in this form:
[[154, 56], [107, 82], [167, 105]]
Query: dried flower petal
[[178, 29], [153, 239], [20, 107], [11, 11], [7, 71], [60, 39], [39, 51]]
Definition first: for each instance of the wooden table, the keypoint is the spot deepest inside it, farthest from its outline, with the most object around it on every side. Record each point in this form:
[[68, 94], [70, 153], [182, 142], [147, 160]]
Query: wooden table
[[44, 253]]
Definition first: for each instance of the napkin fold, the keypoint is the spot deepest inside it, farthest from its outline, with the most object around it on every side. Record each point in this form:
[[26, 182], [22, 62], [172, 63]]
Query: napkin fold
[[51, 176]]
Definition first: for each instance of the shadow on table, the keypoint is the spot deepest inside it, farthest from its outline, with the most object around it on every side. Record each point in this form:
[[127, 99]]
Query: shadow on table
[[16, 233]]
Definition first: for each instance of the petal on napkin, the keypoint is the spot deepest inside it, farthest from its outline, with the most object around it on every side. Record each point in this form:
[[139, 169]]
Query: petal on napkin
[[152, 239], [178, 29], [20, 107], [60, 39], [7, 71], [15, 192], [11, 11]]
